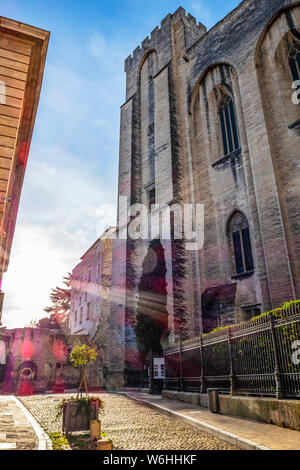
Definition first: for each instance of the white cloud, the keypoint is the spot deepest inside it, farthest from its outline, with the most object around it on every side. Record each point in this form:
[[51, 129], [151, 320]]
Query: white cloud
[[64, 89], [97, 45]]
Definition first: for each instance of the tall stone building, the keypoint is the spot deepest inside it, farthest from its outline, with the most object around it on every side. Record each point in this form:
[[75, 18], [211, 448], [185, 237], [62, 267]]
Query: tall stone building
[[23, 51], [90, 289], [90, 298], [211, 117]]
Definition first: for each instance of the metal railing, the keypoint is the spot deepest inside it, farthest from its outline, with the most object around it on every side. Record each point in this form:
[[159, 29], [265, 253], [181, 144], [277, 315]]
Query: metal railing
[[258, 357]]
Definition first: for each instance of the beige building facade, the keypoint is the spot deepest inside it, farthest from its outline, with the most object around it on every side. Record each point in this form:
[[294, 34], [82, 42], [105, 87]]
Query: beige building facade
[[90, 298], [212, 118]]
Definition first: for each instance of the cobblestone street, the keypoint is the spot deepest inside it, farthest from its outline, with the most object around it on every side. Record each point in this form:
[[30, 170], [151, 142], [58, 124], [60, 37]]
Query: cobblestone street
[[130, 425]]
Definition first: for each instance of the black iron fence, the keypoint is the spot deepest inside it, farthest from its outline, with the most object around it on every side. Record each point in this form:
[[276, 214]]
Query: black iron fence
[[258, 357]]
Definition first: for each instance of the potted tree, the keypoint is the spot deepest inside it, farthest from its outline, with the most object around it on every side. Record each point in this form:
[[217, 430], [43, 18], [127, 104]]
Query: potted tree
[[78, 412]]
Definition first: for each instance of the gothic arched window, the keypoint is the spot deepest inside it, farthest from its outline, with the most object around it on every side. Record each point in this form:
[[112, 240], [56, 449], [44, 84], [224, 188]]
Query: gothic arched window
[[240, 244], [294, 62], [228, 125]]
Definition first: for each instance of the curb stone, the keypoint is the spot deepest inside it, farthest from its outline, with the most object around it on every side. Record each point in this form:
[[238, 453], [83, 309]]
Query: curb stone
[[44, 442], [229, 437]]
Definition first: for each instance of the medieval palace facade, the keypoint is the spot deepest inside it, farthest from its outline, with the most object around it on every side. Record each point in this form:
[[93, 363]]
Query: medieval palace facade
[[210, 118]]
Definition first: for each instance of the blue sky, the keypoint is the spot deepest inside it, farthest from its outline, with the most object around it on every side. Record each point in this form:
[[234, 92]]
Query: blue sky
[[70, 188]]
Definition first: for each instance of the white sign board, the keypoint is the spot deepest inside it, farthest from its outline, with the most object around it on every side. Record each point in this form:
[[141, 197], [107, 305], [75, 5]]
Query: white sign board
[[159, 368], [2, 352]]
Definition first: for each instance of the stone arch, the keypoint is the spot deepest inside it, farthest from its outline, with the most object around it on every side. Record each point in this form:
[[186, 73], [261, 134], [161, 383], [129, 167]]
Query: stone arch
[[208, 166], [218, 80], [286, 48], [144, 59], [146, 92], [202, 77], [270, 24], [27, 371], [294, 60], [235, 210], [282, 119], [27, 375], [152, 313]]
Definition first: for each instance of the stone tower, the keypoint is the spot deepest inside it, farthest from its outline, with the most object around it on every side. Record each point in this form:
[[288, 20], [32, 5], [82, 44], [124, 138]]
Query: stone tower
[[151, 166]]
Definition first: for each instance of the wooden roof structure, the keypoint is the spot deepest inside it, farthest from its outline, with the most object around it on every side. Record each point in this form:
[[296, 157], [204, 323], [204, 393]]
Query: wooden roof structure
[[23, 51]]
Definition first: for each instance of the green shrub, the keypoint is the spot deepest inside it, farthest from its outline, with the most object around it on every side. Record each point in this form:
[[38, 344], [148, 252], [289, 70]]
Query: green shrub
[[278, 312], [59, 441]]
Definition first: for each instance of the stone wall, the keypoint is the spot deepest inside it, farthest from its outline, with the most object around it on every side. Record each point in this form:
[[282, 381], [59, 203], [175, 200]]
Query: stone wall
[[170, 128], [285, 413], [37, 360]]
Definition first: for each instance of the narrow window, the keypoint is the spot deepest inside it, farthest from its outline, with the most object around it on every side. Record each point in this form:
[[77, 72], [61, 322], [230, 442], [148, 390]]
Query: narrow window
[[151, 129], [295, 64], [247, 249], [224, 135], [250, 312], [228, 126], [151, 198], [240, 244], [239, 262], [233, 125], [88, 311], [81, 315]]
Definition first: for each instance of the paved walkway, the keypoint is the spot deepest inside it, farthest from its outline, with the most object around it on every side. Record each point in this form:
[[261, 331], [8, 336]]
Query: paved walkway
[[18, 429], [242, 432]]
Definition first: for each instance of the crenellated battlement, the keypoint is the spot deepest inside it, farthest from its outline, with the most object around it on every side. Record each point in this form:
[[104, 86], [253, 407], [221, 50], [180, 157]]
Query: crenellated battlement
[[158, 33]]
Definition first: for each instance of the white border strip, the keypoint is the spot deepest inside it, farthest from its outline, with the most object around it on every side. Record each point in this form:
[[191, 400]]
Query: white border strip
[[44, 442]]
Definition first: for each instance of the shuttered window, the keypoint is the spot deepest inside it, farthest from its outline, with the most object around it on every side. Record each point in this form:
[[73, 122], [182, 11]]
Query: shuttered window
[[151, 198]]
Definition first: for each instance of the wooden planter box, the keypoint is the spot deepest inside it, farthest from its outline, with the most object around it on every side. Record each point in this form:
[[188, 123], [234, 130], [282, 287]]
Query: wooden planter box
[[74, 420]]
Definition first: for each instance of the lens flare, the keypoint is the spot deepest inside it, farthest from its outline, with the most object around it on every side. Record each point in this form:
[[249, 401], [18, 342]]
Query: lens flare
[[27, 349], [59, 350]]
